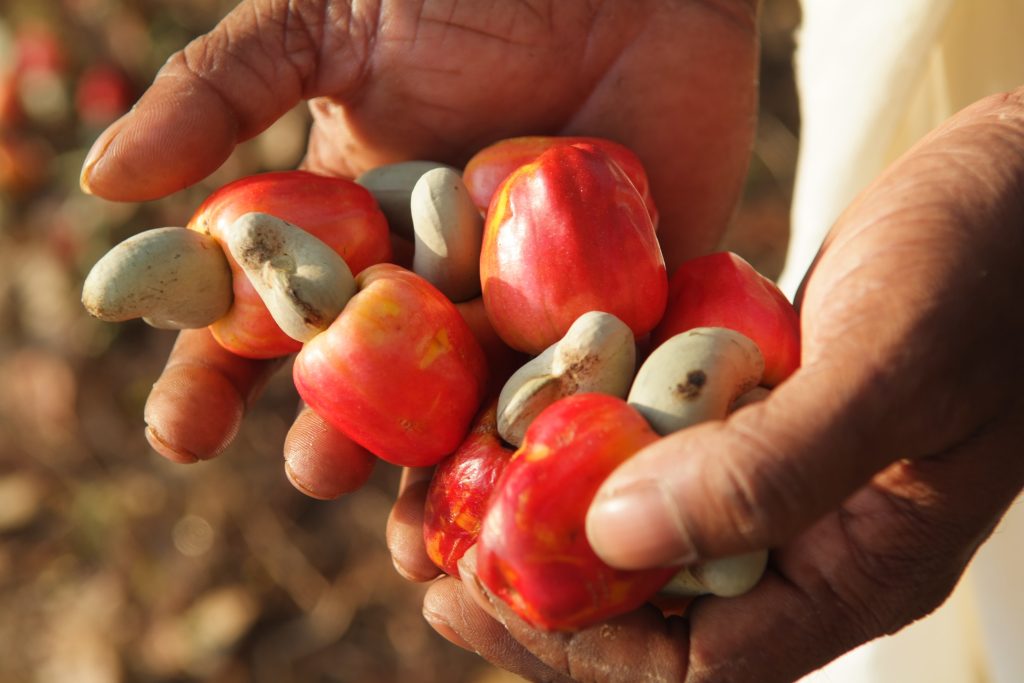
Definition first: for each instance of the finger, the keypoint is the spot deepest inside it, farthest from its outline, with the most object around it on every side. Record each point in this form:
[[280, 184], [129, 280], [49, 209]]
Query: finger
[[196, 406], [453, 613], [910, 534], [773, 634], [907, 536], [642, 645], [891, 555], [223, 88], [767, 472], [698, 178], [321, 461], [473, 586], [728, 487], [405, 527], [901, 323], [405, 523]]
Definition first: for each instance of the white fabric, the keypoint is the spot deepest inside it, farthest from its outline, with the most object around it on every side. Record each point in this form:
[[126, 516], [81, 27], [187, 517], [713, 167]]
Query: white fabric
[[874, 76]]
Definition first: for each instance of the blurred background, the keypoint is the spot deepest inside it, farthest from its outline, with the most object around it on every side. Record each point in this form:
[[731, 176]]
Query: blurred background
[[116, 565]]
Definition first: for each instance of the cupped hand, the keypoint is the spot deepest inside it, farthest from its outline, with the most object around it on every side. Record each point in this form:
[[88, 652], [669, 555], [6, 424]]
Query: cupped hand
[[873, 473], [390, 80]]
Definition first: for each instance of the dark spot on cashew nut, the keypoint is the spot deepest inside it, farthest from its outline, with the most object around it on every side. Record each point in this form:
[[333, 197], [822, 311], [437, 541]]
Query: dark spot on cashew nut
[[310, 315], [695, 381], [261, 248], [580, 365]]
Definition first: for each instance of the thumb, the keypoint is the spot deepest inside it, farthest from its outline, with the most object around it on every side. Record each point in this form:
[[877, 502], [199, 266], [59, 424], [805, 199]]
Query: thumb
[[221, 89], [746, 483]]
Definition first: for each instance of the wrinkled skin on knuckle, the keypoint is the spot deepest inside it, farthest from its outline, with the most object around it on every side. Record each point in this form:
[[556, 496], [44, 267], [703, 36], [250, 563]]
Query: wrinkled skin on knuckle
[[757, 496], [327, 44], [349, 28], [282, 50], [300, 30], [253, 69], [746, 501]]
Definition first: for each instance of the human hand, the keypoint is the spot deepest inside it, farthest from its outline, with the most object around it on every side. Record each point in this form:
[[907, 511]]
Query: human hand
[[388, 81], [873, 473]]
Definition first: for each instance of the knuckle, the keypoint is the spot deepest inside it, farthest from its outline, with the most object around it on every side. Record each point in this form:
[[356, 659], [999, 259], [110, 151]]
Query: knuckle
[[762, 491], [265, 44], [349, 28], [301, 28], [746, 502]]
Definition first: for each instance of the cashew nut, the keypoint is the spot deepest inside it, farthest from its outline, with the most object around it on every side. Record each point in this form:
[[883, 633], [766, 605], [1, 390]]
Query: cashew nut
[[172, 278], [448, 231], [756, 394], [725, 577], [693, 377], [391, 185], [597, 354], [304, 283]]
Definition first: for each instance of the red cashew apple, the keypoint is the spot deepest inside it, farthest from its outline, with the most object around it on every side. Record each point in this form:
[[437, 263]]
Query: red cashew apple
[[398, 371], [567, 234], [486, 170], [723, 290], [460, 490], [339, 212], [533, 551]]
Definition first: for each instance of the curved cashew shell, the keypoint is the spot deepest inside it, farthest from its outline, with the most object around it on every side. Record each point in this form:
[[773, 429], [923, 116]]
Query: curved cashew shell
[[304, 283], [172, 278], [448, 231], [756, 394], [695, 376], [692, 377], [597, 354], [725, 577], [391, 185]]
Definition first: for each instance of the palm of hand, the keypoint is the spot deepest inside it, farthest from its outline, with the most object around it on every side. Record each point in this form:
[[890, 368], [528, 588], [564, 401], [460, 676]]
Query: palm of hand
[[875, 471], [393, 80], [440, 79], [910, 325], [443, 79], [914, 294], [449, 78]]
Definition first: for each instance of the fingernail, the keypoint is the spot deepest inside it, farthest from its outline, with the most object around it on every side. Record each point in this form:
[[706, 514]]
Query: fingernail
[[476, 590], [409, 576], [446, 631], [639, 526], [302, 487], [165, 449], [97, 152]]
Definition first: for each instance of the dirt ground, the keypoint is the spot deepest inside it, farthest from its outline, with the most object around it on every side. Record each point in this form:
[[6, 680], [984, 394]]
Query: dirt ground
[[116, 565]]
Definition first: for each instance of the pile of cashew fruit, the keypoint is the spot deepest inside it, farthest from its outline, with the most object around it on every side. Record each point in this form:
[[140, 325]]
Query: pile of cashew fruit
[[558, 235]]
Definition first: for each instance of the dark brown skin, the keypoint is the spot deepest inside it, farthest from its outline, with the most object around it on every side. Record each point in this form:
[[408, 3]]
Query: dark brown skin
[[874, 473], [876, 469], [400, 79]]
